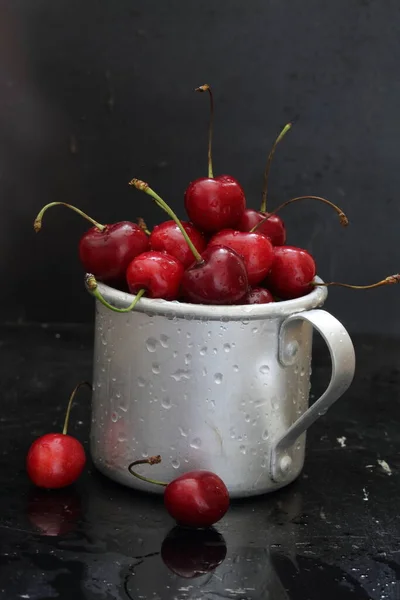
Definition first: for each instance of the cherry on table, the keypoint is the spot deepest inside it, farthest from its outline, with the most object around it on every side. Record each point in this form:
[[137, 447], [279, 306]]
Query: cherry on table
[[195, 499], [106, 250], [55, 460], [192, 553], [255, 249], [214, 203]]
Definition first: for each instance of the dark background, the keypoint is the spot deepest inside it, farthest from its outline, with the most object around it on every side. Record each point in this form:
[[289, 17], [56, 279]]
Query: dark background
[[93, 93]]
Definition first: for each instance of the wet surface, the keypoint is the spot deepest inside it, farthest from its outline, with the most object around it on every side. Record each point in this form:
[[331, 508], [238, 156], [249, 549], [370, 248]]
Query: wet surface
[[333, 534]]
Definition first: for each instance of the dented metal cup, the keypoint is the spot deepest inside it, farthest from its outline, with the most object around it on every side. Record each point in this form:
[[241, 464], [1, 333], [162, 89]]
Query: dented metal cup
[[223, 388]]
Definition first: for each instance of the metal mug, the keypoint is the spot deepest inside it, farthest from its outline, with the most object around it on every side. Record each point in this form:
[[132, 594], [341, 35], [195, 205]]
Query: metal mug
[[222, 388]]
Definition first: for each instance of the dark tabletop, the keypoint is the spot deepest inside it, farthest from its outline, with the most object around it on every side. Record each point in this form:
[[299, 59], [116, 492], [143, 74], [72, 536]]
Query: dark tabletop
[[333, 534]]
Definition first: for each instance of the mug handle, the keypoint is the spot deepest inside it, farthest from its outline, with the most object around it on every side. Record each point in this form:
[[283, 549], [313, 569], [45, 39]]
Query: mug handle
[[343, 365]]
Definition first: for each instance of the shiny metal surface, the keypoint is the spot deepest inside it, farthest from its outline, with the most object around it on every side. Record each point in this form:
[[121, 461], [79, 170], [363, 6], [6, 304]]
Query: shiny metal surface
[[219, 388]]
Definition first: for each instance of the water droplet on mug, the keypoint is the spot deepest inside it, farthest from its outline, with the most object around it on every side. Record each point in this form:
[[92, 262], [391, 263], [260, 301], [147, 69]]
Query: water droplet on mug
[[114, 417], [155, 368], [175, 463], [236, 368], [98, 384], [113, 379], [203, 350], [254, 330], [204, 372], [245, 322], [166, 402], [104, 341], [151, 344], [265, 434], [264, 369], [121, 437], [103, 370], [145, 454], [164, 340], [175, 354], [215, 351], [247, 418], [123, 406], [263, 463], [242, 449], [232, 433], [196, 443], [227, 347], [218, 377], [141, 382], [181, 374], [118, 395], [296, 369], [182, 432], [274, 403], [302, 372], [188, 358]]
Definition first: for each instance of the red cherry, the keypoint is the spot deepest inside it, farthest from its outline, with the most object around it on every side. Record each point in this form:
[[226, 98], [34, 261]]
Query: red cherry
[[273, 228], [106, 250], [214, 204], [220, 278], [195, 499], [258, 295], [191, 553], [158, 273], [255, 249], [167, 237], [56, 460], [292, 273]]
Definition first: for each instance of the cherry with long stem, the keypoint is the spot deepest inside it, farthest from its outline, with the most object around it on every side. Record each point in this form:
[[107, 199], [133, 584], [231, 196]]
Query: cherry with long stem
[[280, 137], [37, 224], [344, 221], [92, 286], [390, 280], [206, 88]]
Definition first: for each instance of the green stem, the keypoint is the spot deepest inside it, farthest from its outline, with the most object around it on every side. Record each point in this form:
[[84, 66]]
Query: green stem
[[206, 88], [71, 399], [344, 221], [94, 290], [392, 279], [152, 460], [37, 224], [280, 137], [144, 187]]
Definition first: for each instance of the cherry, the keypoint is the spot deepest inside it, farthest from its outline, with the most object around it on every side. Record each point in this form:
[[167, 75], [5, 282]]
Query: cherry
[[214, 203], [258, 295], [292, 273], [167, 237], [105, 250], [220, 278], [191, 553], [273, 227], [218, 275], [255, 249], [158, 273], [194, 499], [56, 460]]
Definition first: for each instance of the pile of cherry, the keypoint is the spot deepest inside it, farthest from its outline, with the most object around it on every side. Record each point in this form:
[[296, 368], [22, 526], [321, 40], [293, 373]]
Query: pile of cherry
[[226, 254]]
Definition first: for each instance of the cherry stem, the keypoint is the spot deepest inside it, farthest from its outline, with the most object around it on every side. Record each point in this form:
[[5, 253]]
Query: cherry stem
[[91, 284], [37, 224], [152, 460], [344, 221], [280, 137], [144, 187], [392, 279], [206, 88], [142, 224], [71, 399]]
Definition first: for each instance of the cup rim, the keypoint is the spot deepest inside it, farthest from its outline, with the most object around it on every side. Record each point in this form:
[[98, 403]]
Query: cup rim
[[240, 312]]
